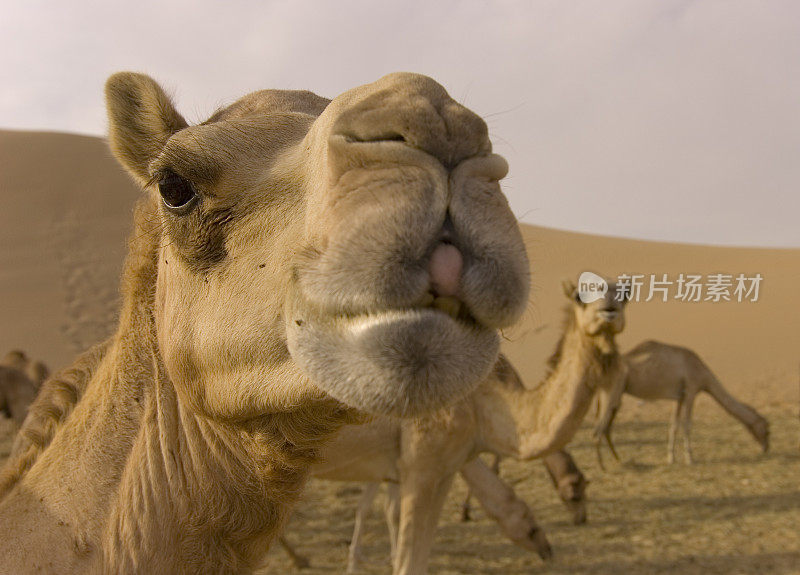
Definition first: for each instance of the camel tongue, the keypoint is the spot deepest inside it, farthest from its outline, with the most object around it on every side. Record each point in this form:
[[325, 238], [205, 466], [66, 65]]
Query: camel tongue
[[445, 268]]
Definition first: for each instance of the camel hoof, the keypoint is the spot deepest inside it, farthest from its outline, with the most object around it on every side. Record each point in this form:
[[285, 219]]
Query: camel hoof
[[541, 544], [579, 518], [546, 553]]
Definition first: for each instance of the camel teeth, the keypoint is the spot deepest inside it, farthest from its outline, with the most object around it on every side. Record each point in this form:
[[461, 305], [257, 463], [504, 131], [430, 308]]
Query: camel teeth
[[448, 305], [427, 300]]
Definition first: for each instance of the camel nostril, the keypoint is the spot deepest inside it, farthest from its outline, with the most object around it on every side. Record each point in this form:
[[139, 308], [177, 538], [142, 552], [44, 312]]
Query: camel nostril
[[444, 268], [374, 138]]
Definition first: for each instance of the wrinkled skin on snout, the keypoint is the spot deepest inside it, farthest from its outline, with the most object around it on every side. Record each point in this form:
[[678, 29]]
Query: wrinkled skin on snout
[[359, 248]]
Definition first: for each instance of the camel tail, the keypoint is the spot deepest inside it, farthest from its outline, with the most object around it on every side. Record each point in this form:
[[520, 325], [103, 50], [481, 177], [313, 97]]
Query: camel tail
[[757, 425], [55, 401]]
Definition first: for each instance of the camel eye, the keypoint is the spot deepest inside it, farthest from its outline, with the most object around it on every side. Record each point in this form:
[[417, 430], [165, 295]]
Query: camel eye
[[177, 192]]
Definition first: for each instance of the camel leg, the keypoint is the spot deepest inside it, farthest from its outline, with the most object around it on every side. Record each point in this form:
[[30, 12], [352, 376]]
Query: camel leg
[[686, 424], [422, 496], [392, 511], [466, 507], [362, 512], [673, 430], [299, 561], [598, 447], [608, 404], [598, 443], [611, 445], [600, 401], [569, 481], [501, 504]]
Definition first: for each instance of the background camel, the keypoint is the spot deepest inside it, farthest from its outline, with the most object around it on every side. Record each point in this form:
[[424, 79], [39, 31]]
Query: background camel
[[661, 371], [17, 392], [498, 500], [501, 416], [36, 370], [271, 287], [20, 380]]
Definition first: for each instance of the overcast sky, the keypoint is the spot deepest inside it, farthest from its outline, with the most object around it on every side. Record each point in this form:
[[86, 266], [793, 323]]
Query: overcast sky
[[673, 120]]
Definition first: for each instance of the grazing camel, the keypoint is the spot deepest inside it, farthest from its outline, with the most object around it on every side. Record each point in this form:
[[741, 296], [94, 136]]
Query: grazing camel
[[501, 416], [295, 263], [20, 379], [661, 371]]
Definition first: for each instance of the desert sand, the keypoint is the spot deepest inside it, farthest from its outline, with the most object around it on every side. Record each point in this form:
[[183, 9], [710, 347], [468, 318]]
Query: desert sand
[[65, 214]]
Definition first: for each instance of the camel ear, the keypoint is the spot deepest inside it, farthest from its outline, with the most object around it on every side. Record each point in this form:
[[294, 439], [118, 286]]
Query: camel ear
[[570, 289], [141, 118]]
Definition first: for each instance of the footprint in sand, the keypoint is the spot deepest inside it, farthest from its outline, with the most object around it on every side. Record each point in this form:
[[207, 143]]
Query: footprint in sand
[[90, 277]]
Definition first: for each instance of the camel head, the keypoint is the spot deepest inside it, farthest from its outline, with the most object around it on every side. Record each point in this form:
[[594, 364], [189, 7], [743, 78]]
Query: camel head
[[35, 370], [604, 316], [359, 249], [16, 359]]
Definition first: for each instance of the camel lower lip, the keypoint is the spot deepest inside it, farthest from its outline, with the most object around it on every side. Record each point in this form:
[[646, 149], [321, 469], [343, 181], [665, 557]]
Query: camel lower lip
[[360, 323], [401, 362]]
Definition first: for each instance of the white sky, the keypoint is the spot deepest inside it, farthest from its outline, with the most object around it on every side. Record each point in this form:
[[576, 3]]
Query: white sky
[[675, 120]]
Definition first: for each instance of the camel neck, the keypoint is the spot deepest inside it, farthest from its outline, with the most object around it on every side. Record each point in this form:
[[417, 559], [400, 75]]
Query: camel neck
[[547, 416], [138, 482], [198, 496]]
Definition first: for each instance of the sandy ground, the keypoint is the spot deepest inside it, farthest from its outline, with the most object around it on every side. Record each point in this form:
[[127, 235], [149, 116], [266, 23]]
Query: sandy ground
[[65, 214], [735, 511]]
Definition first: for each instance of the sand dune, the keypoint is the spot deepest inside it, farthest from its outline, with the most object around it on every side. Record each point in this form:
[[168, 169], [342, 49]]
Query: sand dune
[[65, 213]]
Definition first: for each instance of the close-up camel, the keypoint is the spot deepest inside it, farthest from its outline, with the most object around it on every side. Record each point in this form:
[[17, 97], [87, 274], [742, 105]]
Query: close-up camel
[[501, 416], [295, 262], [661, 371]]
